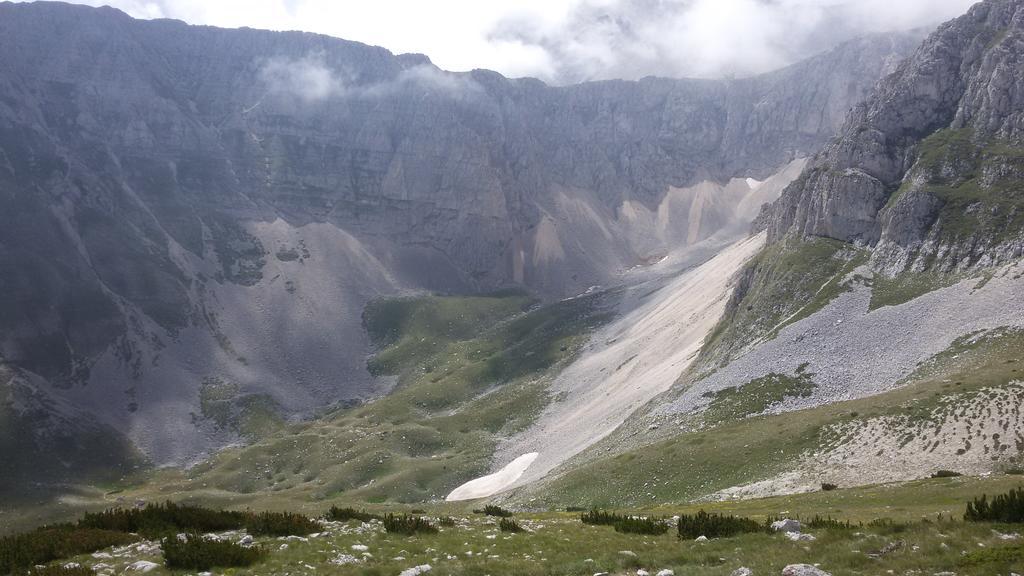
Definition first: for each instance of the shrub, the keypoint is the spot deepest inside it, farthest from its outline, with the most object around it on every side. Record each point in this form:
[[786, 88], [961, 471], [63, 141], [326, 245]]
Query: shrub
[[886, 525], [1007, 507], [408, 525], [945, 474], [601, 518], [280, 524], [21, 551], [197, 553], [345, 514], [1014, 471], [715, 525], [446, 521], [161, 519], [492, 510], [818, 522], [828, 486], [509, 525], [636, 525], [575, 509]]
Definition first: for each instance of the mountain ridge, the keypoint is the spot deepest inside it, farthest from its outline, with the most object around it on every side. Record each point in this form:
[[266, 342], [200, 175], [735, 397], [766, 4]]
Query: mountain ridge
[[199, 205]]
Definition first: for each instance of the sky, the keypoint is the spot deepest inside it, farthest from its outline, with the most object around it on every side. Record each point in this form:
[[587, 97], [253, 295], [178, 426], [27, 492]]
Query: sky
[[563, 41]]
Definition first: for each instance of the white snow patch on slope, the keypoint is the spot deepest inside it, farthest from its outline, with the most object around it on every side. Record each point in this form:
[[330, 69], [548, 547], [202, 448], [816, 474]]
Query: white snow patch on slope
[[493, 483]]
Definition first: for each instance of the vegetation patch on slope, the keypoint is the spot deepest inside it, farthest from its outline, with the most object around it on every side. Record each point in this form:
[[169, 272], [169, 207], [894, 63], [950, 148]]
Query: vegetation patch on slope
[[469, 370], [756, 396], [252, 416], [786, 282]]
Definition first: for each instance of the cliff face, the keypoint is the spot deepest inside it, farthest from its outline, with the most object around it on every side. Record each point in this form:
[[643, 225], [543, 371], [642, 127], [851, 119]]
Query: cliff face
[[928, 168], [187, 208]]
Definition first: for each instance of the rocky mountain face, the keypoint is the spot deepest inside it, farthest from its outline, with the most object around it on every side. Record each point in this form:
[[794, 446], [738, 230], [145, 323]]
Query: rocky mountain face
[[194, 218], [929, 168]]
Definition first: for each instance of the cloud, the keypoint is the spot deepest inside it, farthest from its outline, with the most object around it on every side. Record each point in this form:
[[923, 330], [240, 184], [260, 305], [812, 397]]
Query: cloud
[[310, 79], [709, 38], [571, 40], [307, 78]]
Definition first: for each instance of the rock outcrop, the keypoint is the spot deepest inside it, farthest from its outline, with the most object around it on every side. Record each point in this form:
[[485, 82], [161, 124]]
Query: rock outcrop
[[929, 167]]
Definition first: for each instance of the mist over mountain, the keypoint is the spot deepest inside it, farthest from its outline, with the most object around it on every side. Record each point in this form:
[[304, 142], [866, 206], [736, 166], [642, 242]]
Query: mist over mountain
[[568, 41]]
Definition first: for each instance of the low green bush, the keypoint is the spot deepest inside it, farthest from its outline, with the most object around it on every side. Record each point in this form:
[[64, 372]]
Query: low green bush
[[509, 525], [345, 514], [446, 521], [193, 552], [601, 518], [887, 526], [491, 510], [945, 474], [819, 522], [692, 526], [408, 525], [1007, 507], [828, 486], [156, 520], [22, 551], [280, 524]]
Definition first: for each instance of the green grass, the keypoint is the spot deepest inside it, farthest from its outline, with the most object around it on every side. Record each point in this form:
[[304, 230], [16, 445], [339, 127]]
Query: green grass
[[755, 396], [786, 282], [253, 416], [906, 286], [920, 533], [736, 452], [469, 370]]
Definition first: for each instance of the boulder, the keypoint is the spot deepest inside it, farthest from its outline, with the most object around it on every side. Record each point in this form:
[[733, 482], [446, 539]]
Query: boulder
[[786, 525], [141, 566], [803, 570]]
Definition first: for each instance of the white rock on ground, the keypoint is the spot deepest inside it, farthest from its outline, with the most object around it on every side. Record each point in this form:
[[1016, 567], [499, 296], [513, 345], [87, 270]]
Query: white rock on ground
[[786, 525], [665, 572], [415, 570], [742, 571], [141, 566], [803, 570]]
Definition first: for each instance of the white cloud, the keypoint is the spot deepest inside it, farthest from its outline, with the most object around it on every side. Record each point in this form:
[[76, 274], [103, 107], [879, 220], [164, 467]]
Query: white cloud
[[569, 40]]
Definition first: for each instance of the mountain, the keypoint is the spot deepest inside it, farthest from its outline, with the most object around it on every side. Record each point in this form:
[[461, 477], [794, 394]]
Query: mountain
[[878, 335], [195, 218]]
